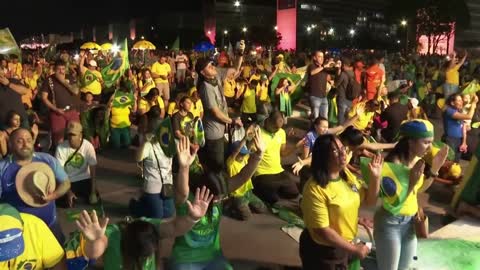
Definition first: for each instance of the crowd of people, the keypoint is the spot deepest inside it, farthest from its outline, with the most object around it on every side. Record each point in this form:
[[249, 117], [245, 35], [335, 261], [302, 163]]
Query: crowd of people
[[209, 132]]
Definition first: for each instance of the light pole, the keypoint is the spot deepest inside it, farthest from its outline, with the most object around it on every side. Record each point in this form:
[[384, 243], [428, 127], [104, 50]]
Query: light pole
[[244, 31], [404, 23], [225, 33]]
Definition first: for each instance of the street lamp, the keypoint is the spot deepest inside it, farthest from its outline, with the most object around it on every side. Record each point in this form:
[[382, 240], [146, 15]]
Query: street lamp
[[331, 31], [244, 29], [275, 27], [236, 4], [404, 23], [225, 32], [352, 32]]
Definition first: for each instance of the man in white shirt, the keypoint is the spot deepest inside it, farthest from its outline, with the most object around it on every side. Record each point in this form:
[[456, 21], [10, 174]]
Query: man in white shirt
[[182, 65], [77, 155]]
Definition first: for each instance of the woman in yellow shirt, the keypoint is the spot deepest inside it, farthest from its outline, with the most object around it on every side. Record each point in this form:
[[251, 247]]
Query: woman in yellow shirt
[[146, 83], [331, 200], [229, 86], [452, 77], [394, 233]]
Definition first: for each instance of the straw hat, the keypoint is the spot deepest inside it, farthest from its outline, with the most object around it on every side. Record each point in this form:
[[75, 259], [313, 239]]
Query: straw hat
[[34, 181]]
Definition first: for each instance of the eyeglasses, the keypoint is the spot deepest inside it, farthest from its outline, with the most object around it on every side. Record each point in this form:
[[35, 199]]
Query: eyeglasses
[[341, 150]]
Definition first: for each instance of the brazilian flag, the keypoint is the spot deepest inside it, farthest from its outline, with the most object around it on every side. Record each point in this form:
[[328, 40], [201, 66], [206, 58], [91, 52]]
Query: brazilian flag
[[393, 185], [116, 68], [123, 99], [199, 132], [88, 78], [166, 138], [297, 93], [471, 88]]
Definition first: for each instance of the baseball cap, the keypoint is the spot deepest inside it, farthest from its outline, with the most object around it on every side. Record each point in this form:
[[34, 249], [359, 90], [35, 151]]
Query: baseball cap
[[74, 128], [243, 150], [201, 64], [92, 63], [11, 233]]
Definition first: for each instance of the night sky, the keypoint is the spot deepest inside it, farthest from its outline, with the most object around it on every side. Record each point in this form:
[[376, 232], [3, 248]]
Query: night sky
[[27, 17]]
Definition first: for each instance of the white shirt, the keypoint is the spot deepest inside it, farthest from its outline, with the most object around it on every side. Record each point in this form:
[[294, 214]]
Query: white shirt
[[78, 168], [181, 61], [151, 170]]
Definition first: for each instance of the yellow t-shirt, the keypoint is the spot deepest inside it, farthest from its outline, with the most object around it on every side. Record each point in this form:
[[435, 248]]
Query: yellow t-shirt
[[161, 69], [172, 108], [410, 206], [335, 206], [233, 168], [248, 103], [120, 117], [145, 105], [246, 71], [254, 77], [229, 88], [31, 83], [94, 87], [271, 162], [42, 250], [197, 108], [15, 70], [149, 85], [27, 98], [262, 92], [452, 76], [363, 120]]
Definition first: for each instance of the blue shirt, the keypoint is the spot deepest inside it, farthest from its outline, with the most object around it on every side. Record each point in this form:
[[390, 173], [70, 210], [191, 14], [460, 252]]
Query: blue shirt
[[453, 127], [8, 191], [310, 139]]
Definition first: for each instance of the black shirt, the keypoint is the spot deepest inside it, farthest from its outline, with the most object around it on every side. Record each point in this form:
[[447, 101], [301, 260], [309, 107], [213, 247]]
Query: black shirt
[[10, 100], [63, 97], [317, 83], [394, 114]]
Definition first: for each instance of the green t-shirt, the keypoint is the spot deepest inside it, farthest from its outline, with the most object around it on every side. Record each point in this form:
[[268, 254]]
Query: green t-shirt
[[113, 255], [202, 242]]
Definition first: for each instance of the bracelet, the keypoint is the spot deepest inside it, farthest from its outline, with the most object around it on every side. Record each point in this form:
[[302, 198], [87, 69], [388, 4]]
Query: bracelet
[[194, 221]]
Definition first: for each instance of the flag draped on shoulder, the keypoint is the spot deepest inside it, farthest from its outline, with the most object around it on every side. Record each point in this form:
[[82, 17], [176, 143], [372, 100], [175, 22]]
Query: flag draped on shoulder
[[393, 184], [296, 94], [114, 71], [166, 138]]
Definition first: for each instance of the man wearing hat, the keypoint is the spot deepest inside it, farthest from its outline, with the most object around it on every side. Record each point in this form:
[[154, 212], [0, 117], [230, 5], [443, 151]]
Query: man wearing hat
[[77, 155], [216, 114], [31, 181], [26, 242]]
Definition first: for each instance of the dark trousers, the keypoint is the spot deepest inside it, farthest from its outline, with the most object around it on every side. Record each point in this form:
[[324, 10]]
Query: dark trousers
[[213, 155], [315, 256], [270, 187], [454, 143]]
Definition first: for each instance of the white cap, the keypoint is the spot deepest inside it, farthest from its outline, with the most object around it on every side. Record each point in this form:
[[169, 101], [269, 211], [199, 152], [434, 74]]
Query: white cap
[[414, 102], [92, 63]]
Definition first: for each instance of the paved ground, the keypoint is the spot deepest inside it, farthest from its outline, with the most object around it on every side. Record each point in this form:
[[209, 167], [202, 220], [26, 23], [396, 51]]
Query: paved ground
[[256, 244]]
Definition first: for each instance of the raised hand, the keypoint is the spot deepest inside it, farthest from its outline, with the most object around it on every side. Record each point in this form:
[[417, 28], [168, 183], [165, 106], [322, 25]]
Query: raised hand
[[90, 226], [185, 156], [439, 159], [258, 140], [200, 204], [375, 166], [415, 173]]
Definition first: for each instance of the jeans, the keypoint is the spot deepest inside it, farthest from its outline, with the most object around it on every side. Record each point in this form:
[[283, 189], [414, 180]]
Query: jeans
[[395, 240], [319, 107], [343, 106], [152, 206], [454, 143], [219, 263], [120, 137], [449, 89]]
